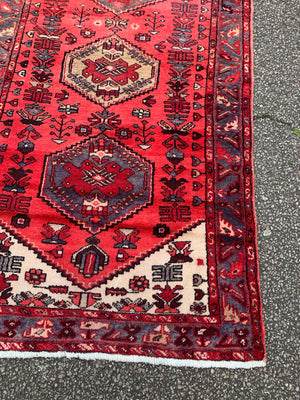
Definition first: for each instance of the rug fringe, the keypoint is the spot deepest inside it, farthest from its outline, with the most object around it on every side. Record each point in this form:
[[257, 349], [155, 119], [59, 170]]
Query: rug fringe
[[171, 362]]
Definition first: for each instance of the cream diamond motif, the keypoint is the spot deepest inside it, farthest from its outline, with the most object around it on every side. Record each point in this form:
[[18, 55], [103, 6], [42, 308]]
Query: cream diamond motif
[[110, 71]]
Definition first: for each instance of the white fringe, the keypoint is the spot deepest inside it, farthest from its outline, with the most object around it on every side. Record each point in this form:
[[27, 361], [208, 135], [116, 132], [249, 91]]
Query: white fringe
[[172, 362]]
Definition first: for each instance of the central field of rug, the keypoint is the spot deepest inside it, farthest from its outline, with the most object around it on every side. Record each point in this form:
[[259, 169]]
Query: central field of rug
[[126, 183]]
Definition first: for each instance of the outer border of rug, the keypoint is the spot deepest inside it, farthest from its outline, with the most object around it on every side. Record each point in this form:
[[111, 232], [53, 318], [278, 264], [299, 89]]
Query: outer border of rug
[[172, 362]]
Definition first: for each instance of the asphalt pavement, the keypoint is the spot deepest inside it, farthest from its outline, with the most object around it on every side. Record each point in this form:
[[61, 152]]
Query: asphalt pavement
[[276, 150]]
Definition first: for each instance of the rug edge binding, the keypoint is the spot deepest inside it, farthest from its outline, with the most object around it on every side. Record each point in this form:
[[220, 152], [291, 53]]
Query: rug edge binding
[[136, 359], [252, 60]]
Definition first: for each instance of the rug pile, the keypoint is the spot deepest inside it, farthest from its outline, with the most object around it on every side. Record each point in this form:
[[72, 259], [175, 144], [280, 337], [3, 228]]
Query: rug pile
[[126, 182]]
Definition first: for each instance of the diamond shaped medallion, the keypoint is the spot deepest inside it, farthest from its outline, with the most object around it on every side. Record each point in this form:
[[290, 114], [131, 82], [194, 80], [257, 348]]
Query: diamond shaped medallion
[[110, 71], [97, 183]]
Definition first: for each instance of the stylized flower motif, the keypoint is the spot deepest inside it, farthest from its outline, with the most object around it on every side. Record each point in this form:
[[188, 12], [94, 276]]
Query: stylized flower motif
[[104, 120], [142, 37], [20, 221], [83, 130], [199, 294], [87, 33], [70, 38], [67, 332], [11, 325], [139, 283], [35, 276], [226, 287], [198, 308], [197, 280], [98, 10], [123, 133], [116, 23], [140, 113], [241, 335], [161, 230], [139, 13]]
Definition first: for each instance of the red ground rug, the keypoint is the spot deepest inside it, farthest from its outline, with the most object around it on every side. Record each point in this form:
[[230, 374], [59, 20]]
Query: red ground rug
[[126, 182]]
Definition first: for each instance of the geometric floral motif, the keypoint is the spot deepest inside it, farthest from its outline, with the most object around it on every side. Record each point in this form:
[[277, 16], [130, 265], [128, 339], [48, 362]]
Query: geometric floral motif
[[110, 71], [97, 183]]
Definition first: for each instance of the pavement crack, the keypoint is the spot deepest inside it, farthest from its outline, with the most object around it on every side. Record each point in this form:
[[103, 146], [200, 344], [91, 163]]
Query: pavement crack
[[296, 131]]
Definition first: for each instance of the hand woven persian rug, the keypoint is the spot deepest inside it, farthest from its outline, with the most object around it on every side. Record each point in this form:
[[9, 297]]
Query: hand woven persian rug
[[126, 182]]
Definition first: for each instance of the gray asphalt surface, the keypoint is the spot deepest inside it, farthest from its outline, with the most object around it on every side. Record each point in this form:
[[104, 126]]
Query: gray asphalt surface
[[276, 167]]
